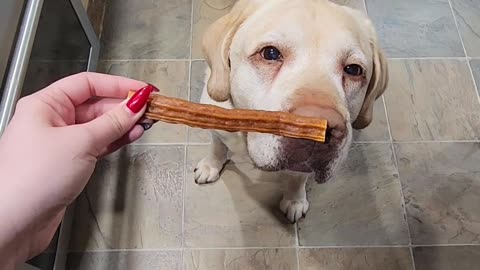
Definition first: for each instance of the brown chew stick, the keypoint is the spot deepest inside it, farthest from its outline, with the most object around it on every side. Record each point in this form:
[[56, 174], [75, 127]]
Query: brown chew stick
[[177, 111]]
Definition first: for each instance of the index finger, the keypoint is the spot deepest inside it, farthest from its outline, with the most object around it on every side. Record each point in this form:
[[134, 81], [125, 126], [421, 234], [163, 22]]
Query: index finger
[[83, 86]]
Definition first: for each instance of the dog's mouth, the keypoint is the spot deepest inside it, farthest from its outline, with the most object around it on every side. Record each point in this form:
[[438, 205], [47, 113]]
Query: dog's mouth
[[328, 135], [308, 156]]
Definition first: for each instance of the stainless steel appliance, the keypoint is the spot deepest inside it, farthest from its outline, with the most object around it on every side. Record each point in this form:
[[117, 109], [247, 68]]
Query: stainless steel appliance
[[41, 42]]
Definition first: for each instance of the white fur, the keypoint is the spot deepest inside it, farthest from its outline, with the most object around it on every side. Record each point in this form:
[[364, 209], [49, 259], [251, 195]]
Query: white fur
[[315, 66]]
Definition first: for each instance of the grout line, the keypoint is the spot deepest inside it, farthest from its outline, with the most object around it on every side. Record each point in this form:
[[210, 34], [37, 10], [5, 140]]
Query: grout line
[[414, 142], [356, 247], [474, 82], [238, 248], [199, 143], [274, 247], [395, 160], [197, 60], [354, 142], [159, 144], [100, 34], [169, 144], [458, 29], [388, 246], [145, 60], [370, 142], [191, 30], [387, 119], [184, 185], [410, 249], [428, 58], [201, 59], [464, 50], [187, 137], [33, 60], [190, 63], [249, 248], [297, 245], [392, 246], [175, 249], [297, 256], [439, 141], [125, 250]]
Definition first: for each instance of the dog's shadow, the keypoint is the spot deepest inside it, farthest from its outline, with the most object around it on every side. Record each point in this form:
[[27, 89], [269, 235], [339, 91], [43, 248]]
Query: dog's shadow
[[264, 188], [360, 205], [88, 230]]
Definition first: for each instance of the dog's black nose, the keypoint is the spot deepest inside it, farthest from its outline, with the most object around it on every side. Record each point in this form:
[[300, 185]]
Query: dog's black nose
[[309, 156]]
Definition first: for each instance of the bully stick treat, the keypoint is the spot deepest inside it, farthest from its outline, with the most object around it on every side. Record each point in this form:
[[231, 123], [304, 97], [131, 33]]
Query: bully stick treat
[[177, 111]]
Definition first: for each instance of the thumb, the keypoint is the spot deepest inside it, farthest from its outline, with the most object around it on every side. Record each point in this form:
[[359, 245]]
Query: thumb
[[114, 124]]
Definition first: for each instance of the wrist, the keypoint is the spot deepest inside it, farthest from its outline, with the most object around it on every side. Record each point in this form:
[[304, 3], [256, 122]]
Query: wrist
[[15, 227], [8, 238]]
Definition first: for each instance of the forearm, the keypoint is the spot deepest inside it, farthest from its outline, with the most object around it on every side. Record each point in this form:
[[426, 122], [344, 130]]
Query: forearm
[[19, 232], [10, 229], [17, 214], [49, 151], [9, 255], [27, 227]]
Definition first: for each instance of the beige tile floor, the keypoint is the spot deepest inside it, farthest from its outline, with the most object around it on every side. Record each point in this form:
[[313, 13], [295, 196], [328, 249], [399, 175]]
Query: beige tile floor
[[407, 198]]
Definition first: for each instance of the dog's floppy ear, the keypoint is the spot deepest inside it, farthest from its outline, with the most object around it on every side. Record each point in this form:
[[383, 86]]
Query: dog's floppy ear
[[216, 47], [376, 87]]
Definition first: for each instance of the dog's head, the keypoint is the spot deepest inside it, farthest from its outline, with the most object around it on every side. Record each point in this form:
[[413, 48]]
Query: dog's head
[[308, 57]]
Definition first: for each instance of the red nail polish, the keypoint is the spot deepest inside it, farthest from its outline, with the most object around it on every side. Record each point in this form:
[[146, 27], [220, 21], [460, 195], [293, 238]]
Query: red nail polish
[[155, 89], [139, 99]]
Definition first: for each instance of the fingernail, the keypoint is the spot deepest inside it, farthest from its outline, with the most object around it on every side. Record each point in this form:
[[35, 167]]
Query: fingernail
[[155, 89], [139, 99], [146, 126]]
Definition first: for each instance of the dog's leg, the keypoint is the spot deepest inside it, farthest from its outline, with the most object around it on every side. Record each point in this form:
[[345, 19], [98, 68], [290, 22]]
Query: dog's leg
[[294, 203], [208, 169]]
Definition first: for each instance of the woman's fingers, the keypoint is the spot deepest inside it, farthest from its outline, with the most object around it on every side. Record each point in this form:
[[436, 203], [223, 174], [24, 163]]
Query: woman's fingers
[[134, 134], [81, 87], [94, 108], [114, 124]]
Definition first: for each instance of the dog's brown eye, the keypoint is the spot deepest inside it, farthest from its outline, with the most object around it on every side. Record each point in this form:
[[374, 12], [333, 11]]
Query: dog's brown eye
[[354, 70], [271, 53]]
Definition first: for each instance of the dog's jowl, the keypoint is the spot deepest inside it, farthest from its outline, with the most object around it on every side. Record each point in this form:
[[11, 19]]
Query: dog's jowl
[[312, 58]]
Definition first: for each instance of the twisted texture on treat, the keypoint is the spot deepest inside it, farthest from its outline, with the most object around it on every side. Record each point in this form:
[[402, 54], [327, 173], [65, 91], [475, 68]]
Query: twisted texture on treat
[[178, 111]]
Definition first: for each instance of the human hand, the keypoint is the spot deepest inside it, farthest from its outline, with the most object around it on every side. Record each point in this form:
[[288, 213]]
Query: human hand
[[50, 148]]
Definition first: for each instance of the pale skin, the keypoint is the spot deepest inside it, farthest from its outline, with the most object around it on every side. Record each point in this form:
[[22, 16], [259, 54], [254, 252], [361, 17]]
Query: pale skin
[[49, 151]]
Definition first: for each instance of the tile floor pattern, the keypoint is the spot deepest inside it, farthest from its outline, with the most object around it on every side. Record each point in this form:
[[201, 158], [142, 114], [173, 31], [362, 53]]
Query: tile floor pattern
[[407, 198]]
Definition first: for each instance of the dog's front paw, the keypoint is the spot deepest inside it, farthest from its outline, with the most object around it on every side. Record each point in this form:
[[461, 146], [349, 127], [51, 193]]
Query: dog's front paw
[[207, 171], [294, 210]]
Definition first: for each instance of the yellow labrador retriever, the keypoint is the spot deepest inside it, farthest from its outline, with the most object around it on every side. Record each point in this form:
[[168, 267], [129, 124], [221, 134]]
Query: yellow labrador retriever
[[308, 57]]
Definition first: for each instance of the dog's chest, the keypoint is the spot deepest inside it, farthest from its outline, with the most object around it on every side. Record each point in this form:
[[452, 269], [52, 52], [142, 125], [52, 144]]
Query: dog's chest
[[236, 144], [235, 141]]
